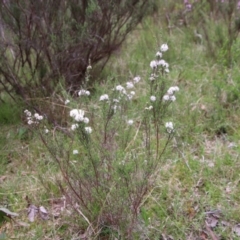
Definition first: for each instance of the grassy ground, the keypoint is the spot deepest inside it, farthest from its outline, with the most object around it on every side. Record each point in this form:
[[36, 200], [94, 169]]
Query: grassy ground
[[196, 192]]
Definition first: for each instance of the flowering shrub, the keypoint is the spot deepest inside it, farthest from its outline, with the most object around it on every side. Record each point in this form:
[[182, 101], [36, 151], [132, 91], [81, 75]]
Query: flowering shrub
[[110, 162]]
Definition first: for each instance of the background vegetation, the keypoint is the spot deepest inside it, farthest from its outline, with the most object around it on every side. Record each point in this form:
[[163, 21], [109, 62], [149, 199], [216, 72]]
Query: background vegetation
[[196, 192]]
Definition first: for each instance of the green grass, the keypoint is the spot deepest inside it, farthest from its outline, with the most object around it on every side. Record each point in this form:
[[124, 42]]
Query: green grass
[[10, 113], [200, 169]]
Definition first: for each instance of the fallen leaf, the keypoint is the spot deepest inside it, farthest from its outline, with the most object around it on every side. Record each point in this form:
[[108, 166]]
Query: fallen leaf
[[212, 221], [8, 212], [236, 229], [211, 233], [225, 223], [32, 211], [43, 213]]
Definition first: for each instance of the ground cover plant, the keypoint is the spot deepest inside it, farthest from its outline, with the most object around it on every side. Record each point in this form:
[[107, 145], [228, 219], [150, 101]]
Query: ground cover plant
[[194, 192]]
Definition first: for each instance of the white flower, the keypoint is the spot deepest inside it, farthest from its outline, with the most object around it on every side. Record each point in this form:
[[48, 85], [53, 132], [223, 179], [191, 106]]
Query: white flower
[[166, 98], [28, 113], [169, 127], [136, 79], [74, 127], [166, 70], [88, 130], [77, 114], [83, 92], [86, 120], [163, 63], [121, 89], [164, 47], [30, 122], [129, 85], [115, 108], [176, 88], [79, 118], [115, 100], [153, 64], [153, 98], [149, 108], [67, 101], [75, 151], [46, 130], [152, 78], [89, 67], [172, 90], [38, 117], [130, 96], [159, 54], [104, 97], [172, 98], [130, 122]]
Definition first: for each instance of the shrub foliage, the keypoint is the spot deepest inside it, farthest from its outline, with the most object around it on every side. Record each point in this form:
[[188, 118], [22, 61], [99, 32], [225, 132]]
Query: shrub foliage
[[44, 43]]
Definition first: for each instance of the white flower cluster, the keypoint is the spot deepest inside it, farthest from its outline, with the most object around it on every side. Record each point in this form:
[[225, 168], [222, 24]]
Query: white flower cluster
[[83, 92], [169, 127], [153, 98], [88, 130], [32, 119], [104, 97], [149, 108], [122, 90], [169, 96], [67, 101], [129, 85], [136, 79], [46, 130], [160, 66], [164, 47], [74, 126], [75, 151], [154, 64], [130, 122], [78, 116]]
